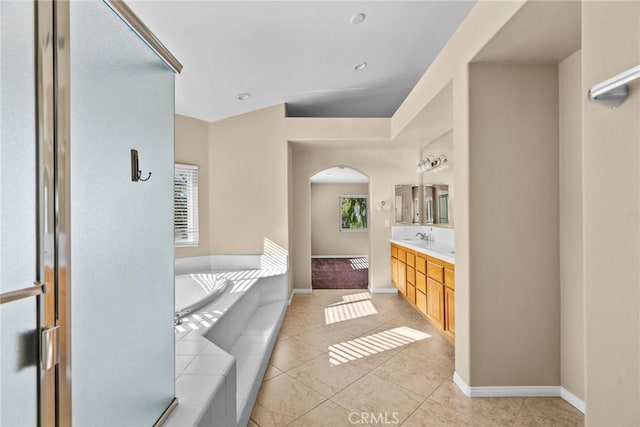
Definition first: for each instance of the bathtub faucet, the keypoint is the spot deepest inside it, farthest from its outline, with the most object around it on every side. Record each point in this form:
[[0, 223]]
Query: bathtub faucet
[[177, 319]]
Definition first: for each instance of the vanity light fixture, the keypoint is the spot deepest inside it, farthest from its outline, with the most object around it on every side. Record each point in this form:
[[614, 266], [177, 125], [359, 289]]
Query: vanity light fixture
[[358, 18], [244, 96], [433, 163], [360, 66]]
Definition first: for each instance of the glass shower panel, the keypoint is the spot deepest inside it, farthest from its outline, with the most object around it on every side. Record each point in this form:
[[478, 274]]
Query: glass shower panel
[[121, 231], [18, 319]]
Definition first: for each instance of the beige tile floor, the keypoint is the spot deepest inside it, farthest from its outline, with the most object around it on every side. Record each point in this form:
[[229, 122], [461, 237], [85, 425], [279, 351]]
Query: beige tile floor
[[362, 370]]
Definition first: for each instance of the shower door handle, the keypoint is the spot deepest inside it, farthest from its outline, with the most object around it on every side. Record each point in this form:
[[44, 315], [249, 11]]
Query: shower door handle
[[49, 347], [31, 291]]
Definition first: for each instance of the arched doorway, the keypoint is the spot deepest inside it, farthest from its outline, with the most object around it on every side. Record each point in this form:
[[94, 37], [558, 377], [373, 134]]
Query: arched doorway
[[339, 215]]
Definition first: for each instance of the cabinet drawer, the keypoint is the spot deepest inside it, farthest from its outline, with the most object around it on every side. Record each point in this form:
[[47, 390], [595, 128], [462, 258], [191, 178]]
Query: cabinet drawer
[[402, 255], [421, 282], [421, 264], [449, 278], [421, 301], [411, 275], [411, 293], [394, 251], [411, 259], [435, 271]]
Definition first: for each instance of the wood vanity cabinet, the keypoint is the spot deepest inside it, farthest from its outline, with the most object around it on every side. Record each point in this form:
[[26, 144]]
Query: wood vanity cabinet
[[428, 283], [450, 301], [421, 283], [435, 302], [402, 271], [450, 310], [411, 277], [394, 271]]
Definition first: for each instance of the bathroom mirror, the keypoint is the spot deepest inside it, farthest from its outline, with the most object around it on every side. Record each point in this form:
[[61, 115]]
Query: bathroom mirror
[[407, 204], [437, 205]]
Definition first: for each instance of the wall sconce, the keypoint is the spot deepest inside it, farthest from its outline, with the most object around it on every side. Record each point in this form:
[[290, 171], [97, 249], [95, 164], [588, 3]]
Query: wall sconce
[[433, 163], [383, 206]]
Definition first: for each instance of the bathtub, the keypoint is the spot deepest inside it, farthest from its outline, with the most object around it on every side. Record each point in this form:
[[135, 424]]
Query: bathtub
[[194, 291]]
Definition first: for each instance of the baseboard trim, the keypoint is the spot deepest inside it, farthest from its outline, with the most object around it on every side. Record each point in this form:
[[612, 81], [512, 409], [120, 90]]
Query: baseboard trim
[[383, 290], [574, 400], [520, 391], [299, 291], [462, 385], [339, 256]]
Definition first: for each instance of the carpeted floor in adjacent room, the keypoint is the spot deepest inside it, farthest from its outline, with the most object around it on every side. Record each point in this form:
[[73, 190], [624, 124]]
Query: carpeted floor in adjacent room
[[340, 273]]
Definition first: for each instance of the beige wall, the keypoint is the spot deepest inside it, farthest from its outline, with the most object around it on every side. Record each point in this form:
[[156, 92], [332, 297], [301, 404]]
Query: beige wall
[[192, 147], [384, 168], [611, 171], [326, 238], [461, 220], [571, 247], [513, 209], [248, 182]]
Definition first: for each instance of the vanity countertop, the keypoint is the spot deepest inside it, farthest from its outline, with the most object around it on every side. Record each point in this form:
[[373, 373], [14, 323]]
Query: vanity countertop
[[435, 249]]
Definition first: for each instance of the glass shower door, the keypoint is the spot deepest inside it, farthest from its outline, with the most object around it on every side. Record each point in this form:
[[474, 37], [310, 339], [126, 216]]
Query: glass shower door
[[18, 192], [122, 332]]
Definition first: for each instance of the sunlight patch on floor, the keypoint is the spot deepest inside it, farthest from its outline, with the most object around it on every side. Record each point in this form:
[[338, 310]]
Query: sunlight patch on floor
[[348, 311], [352, 298], [360, 263], [358, 348]]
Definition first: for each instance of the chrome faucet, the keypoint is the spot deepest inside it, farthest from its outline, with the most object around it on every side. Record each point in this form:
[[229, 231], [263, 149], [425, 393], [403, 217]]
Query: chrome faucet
[[422, 236]]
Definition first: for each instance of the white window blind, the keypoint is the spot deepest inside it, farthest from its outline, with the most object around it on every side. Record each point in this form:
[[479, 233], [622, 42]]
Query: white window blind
[[185, 203]]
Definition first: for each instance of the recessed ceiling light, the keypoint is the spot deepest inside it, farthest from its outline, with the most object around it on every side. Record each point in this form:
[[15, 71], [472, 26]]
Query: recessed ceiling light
[[358, 18], [360, 66], [244, 96]]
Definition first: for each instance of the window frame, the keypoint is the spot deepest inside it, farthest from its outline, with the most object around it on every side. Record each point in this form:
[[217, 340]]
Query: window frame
[[191, 173]]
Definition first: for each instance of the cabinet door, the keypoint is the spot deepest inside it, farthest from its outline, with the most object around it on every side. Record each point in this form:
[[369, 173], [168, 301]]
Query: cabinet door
[[411, 293], [450, 310], [394, 272], [411, 275], [402, 278], [421, 282], [435, 302], [421, 301]]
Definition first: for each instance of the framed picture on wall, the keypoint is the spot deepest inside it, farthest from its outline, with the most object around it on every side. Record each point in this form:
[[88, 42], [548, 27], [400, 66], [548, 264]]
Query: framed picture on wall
[[354, 212]]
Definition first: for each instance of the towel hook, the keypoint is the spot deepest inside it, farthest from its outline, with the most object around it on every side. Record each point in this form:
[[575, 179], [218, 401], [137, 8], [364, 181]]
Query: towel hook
[[136, 173]]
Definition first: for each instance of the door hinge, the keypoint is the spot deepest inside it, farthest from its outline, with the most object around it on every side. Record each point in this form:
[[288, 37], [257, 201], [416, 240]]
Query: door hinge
[[49, 347]]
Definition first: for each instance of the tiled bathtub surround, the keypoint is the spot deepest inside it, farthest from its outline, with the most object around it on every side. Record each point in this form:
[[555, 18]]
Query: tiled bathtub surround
[[222, 349]]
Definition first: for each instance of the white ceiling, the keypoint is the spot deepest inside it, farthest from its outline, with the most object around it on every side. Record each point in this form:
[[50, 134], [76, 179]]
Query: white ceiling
[[339, 175], [301, 53]]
